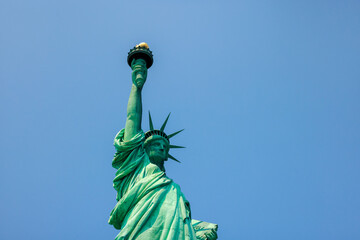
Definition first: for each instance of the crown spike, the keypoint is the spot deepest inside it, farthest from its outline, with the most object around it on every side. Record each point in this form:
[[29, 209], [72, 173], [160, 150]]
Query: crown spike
[[164, 124], [171, 157], [173, 134], [150, 122], [175, 146]]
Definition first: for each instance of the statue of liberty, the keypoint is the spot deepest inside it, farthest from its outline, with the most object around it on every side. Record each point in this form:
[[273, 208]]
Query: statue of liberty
[[150, 206]]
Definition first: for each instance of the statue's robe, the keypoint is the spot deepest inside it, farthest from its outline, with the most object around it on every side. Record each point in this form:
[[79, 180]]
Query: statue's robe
[[150, 205]]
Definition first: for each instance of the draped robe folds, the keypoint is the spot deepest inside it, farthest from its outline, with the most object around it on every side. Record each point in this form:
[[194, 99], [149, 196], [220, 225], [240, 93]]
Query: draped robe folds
[[150, 205]]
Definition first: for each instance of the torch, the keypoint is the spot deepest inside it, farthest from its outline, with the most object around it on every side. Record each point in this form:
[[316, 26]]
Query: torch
[[141, 51]]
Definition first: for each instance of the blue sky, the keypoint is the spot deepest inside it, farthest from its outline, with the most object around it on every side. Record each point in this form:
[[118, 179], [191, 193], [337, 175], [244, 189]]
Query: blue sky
[[268, 93]]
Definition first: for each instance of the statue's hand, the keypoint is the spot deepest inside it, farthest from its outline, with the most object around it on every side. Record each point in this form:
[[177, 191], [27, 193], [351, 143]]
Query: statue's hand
[[139, 73]]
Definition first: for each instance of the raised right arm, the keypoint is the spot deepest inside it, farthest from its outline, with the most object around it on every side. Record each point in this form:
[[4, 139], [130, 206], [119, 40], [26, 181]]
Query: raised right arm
[[134, 108]]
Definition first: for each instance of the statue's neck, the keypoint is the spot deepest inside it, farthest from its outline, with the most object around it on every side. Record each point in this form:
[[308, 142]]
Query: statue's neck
[[161, 166]]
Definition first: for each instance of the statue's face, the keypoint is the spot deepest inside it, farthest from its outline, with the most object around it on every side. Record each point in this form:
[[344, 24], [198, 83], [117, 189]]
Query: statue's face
[[158, 151]]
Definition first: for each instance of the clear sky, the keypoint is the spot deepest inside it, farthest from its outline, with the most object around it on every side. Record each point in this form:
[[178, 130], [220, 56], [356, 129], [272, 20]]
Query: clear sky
[[268, 93]]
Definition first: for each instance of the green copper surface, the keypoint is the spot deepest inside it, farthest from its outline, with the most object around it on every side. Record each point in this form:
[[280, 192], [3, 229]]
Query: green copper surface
[[151, 122], [173, 134], [164, 124], [150, 206]]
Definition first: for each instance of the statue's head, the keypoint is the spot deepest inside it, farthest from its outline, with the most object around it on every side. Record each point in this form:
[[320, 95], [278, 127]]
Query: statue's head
[[157, 144], [157, 148]]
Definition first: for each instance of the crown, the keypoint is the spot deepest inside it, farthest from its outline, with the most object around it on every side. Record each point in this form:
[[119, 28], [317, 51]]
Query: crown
[[155, 134], [141, 51]]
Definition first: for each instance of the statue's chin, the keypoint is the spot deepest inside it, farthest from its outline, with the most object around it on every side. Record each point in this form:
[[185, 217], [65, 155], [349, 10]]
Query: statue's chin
[[157, 159]]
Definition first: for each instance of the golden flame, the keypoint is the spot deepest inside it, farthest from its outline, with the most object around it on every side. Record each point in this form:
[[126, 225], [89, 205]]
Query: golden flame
[[143, 44]]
